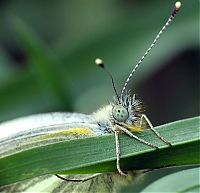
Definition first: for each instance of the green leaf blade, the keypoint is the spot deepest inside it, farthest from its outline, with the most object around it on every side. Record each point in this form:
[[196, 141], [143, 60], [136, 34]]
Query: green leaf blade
[[97, 154]]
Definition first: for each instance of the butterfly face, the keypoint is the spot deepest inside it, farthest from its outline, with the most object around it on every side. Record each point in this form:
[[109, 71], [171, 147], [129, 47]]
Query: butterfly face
[[120, 113], [128, 110]]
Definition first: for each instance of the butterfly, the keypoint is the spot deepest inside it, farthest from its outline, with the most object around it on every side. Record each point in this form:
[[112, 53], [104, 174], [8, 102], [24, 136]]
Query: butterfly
[[124, 115]]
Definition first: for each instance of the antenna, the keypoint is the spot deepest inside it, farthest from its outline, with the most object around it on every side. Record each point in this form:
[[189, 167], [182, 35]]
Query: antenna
[[99, 62], [173, 14]]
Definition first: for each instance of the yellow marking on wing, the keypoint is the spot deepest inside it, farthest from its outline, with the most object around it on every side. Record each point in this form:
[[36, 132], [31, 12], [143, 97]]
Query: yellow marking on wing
[[68, 133], [72, 131], [79, 131]]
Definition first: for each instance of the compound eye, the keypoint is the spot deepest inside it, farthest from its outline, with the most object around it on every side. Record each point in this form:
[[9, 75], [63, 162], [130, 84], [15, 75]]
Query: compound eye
[[120, 113]]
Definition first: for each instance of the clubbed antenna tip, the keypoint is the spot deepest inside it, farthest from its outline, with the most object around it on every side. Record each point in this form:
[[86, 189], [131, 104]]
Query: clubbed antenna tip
[[177, 5], [99, 62], [176, 8]]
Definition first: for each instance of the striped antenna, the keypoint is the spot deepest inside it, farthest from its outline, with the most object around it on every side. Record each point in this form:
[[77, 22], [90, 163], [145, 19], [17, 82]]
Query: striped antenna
[[176, 9]]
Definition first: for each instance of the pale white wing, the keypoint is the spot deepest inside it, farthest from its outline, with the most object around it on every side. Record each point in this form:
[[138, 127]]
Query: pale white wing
[[42, 120], [42, 129]]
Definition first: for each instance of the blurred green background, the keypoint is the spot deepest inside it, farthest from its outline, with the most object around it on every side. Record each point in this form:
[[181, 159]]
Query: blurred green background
[[47, 52]]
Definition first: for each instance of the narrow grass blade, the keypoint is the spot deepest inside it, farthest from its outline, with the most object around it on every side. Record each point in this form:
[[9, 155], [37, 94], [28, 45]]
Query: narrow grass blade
[[97, 154]]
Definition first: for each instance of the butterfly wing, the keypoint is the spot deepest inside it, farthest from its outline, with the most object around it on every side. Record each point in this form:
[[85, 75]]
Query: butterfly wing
[[108, 183], [42, 129]]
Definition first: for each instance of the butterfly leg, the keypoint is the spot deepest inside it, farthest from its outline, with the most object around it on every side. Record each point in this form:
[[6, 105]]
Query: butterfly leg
[[136, 137], [118, 153], [78, 180], [144, 117]]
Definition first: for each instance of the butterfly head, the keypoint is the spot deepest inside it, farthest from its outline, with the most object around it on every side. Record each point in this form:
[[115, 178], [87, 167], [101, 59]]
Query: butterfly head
[[127, 110], [120, 113]]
